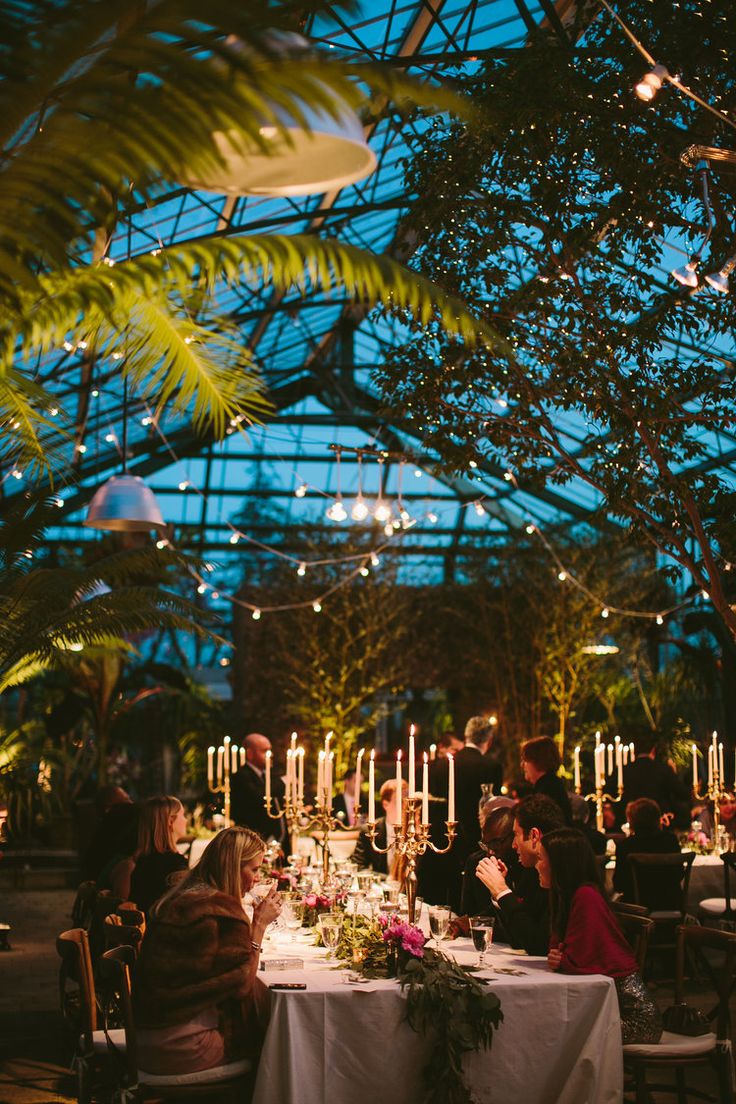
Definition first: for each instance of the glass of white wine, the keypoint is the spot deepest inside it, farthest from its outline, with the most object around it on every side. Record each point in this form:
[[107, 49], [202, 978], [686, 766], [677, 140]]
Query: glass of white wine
[[330, 928], [292, 912], [439, 922], [481, 929]]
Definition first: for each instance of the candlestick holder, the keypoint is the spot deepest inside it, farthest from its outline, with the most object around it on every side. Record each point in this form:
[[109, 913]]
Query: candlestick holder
[[411, 839], [715, 794], [219, 774], [298, 821], [599, 795]]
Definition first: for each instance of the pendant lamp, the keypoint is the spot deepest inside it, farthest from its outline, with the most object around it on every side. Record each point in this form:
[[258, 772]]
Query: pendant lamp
[[322, 154], [124, 504]]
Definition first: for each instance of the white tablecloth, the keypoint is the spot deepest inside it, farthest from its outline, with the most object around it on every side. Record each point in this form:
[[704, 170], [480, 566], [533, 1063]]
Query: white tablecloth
[[560, 1042], [706, 880]]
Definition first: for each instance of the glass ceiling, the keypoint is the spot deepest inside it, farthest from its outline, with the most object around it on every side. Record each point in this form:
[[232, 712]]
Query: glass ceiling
[[316, 355]]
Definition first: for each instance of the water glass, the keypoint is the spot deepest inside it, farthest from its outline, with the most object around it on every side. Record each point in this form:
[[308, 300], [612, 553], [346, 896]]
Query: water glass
[[439, 922], [330, 928], [481, 930]]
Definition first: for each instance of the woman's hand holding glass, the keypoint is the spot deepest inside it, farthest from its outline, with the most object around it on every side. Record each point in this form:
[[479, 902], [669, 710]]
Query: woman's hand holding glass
[[267, 909]]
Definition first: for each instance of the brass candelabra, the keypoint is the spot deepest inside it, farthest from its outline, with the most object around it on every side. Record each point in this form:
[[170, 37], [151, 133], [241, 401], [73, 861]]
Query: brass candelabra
[[300, 819], [599, 796], [715, 792], [411, 839], [222, 763]]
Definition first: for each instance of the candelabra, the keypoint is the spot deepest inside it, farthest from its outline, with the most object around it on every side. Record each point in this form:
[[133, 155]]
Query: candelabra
[[599, 795], [618, 755], [411, 839], [715, 792], [220, 772], [298, 817]]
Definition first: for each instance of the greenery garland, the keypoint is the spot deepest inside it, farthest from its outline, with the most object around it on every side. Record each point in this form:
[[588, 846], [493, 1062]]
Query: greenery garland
[[444, 1002]]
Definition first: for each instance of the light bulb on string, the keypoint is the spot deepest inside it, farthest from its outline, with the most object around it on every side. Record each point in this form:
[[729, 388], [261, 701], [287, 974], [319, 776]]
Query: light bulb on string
[[364, 571], [317, 607], [388, 529], [530, 528], [382, 511], [301, 490], [651, 82], [256, 615], [479, 509], [302, 569], [660, 619], [359, 511], [605, 612], [375, 559], [336, 511], [687, 275], [432, 518], [562, 575], [234, 538]]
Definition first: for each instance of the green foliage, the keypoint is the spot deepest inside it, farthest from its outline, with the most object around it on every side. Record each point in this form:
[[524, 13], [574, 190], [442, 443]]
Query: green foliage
[[446, 1002], [103, 106], [548, 220]]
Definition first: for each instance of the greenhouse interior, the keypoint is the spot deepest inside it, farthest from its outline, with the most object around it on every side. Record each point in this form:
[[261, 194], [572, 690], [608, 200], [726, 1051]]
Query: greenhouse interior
[[367, 551]]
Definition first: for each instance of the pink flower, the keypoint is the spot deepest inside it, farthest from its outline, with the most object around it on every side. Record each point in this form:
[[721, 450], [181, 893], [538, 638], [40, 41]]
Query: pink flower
[[311, 900]]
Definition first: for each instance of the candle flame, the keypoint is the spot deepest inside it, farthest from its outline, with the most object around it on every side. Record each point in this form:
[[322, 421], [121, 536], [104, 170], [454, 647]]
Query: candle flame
[[373, 754], [412, 729]]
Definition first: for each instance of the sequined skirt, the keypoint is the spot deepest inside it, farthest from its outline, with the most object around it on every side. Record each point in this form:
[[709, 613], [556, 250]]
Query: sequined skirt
[[640, 1018]]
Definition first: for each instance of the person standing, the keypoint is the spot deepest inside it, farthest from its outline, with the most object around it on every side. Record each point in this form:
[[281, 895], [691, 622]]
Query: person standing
[[649, 777], [248, 791], [473, 768], [365, 855], [540, 761], [343, 803]]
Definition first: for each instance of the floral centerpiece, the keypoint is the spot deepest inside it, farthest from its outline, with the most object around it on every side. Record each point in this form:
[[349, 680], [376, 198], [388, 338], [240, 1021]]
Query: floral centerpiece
[[314, 904], [444, 1000]]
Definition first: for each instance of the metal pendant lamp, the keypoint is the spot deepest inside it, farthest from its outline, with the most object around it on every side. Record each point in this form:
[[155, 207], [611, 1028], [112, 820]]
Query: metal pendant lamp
[[124, 504], [323, 153]]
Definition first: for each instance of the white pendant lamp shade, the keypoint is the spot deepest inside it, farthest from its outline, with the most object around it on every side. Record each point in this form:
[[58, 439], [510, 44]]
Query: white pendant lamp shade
[[124, 505], [330, 154]]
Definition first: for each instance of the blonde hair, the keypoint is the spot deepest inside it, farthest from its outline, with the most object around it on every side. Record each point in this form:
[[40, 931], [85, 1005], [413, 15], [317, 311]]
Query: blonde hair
[[219, 866], [155, 827]]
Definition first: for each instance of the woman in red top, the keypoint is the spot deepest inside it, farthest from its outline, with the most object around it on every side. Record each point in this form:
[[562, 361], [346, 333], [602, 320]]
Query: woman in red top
[[585, 936]]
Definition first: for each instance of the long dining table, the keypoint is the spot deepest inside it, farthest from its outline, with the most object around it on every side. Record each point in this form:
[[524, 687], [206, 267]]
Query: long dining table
[[342, 1041]]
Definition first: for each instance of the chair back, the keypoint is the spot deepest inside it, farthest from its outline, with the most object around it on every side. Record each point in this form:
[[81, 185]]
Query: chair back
[[115, 967], [661, 881], [124, 928], [729, 867], [626, 908], [76, 966], [638, 931], [84, 904], [719, 966]]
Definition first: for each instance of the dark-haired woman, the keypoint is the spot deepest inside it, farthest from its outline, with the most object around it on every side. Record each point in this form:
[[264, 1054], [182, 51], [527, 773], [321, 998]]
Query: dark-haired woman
[[585, 937], [540, 761]]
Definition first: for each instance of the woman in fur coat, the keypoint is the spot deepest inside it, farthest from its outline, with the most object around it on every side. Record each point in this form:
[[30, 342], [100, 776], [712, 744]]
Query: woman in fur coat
[[197, 1000]]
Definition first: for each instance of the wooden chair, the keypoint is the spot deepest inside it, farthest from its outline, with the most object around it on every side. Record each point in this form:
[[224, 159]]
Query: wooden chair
[[79, 1006], [233, 1081], [124, 928], [721, 908], [657, 874], [638, 930], [680, 1051], [84, 905]]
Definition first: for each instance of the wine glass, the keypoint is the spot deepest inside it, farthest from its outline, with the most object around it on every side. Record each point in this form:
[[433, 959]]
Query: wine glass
[[439, 922], [292, 913], [330, 928], [481, 929]]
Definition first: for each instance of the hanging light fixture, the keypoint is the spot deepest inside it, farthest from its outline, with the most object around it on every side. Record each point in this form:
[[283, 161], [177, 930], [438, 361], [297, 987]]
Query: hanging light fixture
[[651, 82], [719, 280], [124, 504], [687, 275], [359, 511], [316, 152], [336, 510]]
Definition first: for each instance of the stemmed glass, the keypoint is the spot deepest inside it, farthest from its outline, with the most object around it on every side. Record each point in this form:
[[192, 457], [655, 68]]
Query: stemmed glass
[[481, 929], [439, 922], [330, 928], [292, 913]]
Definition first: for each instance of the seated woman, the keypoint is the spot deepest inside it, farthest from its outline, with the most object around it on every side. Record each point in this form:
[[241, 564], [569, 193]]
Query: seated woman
[[117, 872], [540, 761], [162, 823], [196, 998], [662, 890], [585, 937]]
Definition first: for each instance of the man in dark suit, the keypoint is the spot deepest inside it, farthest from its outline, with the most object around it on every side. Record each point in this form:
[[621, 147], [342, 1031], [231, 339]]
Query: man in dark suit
[[473, 768], [649, 777], [525, 911], [343, 803], [248, 789], [365, 854]]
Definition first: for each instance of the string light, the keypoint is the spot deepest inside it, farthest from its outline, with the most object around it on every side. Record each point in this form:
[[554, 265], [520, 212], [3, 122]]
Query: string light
[[301, 570], [651, 82], [605, 612], [317, 607], [301, 490], [256, 615]]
